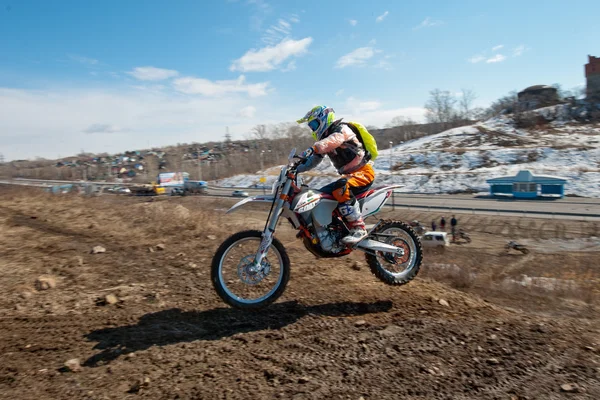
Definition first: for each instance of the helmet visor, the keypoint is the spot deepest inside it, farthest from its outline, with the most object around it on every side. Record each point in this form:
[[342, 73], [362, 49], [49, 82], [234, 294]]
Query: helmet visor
[[314, 124]]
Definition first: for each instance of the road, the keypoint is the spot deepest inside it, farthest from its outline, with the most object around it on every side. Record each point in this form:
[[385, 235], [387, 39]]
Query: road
[[566, 208], [569, 207]]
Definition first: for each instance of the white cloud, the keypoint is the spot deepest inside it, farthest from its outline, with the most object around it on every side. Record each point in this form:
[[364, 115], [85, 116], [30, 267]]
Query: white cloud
[[247, 112], [369, 105], [279, 31], [205, 87], [383, 64], [356, 57], [353, 22], [339, 92], [496, 48], [496, 59], [357, 106], [373, 112], [83, 60], [428, 22], [155, 119], [381, 17], [102, 128], [262, 9], [271, 57], [519, 50], [290, 67], [152, 73], [476, 59]]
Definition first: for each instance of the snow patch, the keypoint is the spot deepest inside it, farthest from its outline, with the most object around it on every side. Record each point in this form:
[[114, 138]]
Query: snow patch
[[462, 159]]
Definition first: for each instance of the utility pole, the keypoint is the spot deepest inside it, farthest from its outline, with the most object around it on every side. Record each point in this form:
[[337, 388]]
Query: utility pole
[[1, 158], [262, 167], [392, 175], [262, 153], [199, 169]]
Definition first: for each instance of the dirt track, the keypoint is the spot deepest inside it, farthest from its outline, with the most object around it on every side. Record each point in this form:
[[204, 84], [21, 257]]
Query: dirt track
[[336, 333]]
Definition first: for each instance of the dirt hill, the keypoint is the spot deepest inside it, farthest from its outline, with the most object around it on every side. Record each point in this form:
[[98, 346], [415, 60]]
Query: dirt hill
[[142, 320]]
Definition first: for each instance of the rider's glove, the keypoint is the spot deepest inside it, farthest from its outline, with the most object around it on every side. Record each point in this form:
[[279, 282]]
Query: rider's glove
[[307, 153]]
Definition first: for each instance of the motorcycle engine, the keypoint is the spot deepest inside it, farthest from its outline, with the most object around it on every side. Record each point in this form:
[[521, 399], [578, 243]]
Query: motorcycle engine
[[329, 238]]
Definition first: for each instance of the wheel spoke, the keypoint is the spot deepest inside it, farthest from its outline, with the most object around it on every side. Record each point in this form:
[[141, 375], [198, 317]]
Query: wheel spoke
[[244, 281], [393, 268]]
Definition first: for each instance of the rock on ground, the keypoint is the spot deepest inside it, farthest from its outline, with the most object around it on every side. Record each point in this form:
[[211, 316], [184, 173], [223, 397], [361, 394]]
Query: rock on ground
[[45, 282], [73, 365], [98, 250]]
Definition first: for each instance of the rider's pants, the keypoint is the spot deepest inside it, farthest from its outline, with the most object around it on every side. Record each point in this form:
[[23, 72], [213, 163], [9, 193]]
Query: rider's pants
[[344, 190]]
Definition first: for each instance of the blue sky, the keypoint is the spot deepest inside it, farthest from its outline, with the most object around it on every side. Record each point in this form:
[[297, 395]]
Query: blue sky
[[116, 75]]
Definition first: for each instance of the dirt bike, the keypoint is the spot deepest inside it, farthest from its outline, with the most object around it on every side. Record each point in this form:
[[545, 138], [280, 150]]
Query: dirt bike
[[519, 247], [252, 260], [462, 235], [418, 227]]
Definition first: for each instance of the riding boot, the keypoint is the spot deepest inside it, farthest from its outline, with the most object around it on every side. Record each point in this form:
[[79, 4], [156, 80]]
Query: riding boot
[[350, 210]]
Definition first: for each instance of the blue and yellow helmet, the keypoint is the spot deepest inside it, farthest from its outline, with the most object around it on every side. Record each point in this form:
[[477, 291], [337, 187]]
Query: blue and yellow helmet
[[319, 119]]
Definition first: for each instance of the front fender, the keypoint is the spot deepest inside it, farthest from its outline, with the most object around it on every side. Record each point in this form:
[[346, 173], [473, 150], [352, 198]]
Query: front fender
[[255, 199]]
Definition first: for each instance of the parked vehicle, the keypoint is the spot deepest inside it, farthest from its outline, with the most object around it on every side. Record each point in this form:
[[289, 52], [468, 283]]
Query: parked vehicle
[[151, 189], [240, 193], [251, 269], [172, 183], [519, 247], [435, 240]]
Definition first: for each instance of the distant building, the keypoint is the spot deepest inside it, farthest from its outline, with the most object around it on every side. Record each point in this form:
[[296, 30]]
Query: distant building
[[537, 96], [525, 185], [592, 76]]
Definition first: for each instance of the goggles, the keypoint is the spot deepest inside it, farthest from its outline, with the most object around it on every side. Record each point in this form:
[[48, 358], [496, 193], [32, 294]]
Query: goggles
[[314, 124]]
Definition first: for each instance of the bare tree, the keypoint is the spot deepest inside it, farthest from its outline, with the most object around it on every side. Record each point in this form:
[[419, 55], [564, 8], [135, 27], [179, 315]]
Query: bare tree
[[465, 103], [260, 132], [440, 107], [400, 120], [478, 113], [508, 104], [277, 131], [297, 132]]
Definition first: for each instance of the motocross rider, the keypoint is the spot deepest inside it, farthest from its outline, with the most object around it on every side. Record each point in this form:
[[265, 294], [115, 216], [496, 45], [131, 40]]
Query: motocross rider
[[339, 142]]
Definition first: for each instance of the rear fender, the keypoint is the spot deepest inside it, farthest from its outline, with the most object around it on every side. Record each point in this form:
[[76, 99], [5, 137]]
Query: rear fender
[[373, 203]]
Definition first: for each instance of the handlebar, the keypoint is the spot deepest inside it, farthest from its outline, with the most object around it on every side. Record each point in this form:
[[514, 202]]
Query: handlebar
[[301, 160]]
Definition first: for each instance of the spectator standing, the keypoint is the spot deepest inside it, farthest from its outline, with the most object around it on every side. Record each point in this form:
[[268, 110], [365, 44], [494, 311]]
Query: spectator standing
[[433, 225], [443, 224], [453, 223]]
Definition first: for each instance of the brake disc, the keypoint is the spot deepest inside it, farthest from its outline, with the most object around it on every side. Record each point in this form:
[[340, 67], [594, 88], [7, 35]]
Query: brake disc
[[249, 274]]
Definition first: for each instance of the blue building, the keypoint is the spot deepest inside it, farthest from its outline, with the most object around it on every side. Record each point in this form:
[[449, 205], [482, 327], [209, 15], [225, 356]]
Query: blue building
[[525, 185]]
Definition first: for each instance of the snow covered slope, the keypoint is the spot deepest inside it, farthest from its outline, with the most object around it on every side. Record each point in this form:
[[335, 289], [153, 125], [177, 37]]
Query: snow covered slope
[[462, 159]]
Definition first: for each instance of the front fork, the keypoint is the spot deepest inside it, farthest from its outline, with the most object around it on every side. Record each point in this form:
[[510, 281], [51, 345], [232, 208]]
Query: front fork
[[267, 236]]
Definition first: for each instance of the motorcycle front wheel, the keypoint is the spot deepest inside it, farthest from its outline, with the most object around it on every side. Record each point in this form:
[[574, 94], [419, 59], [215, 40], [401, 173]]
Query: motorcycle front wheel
[[238, 282]]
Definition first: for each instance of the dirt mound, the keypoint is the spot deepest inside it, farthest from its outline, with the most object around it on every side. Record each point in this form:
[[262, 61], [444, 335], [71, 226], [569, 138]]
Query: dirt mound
[[164, 334]]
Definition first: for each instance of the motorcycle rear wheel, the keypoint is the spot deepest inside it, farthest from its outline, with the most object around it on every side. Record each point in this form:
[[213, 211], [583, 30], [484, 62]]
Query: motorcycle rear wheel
[[224, 285], [410, 262]]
